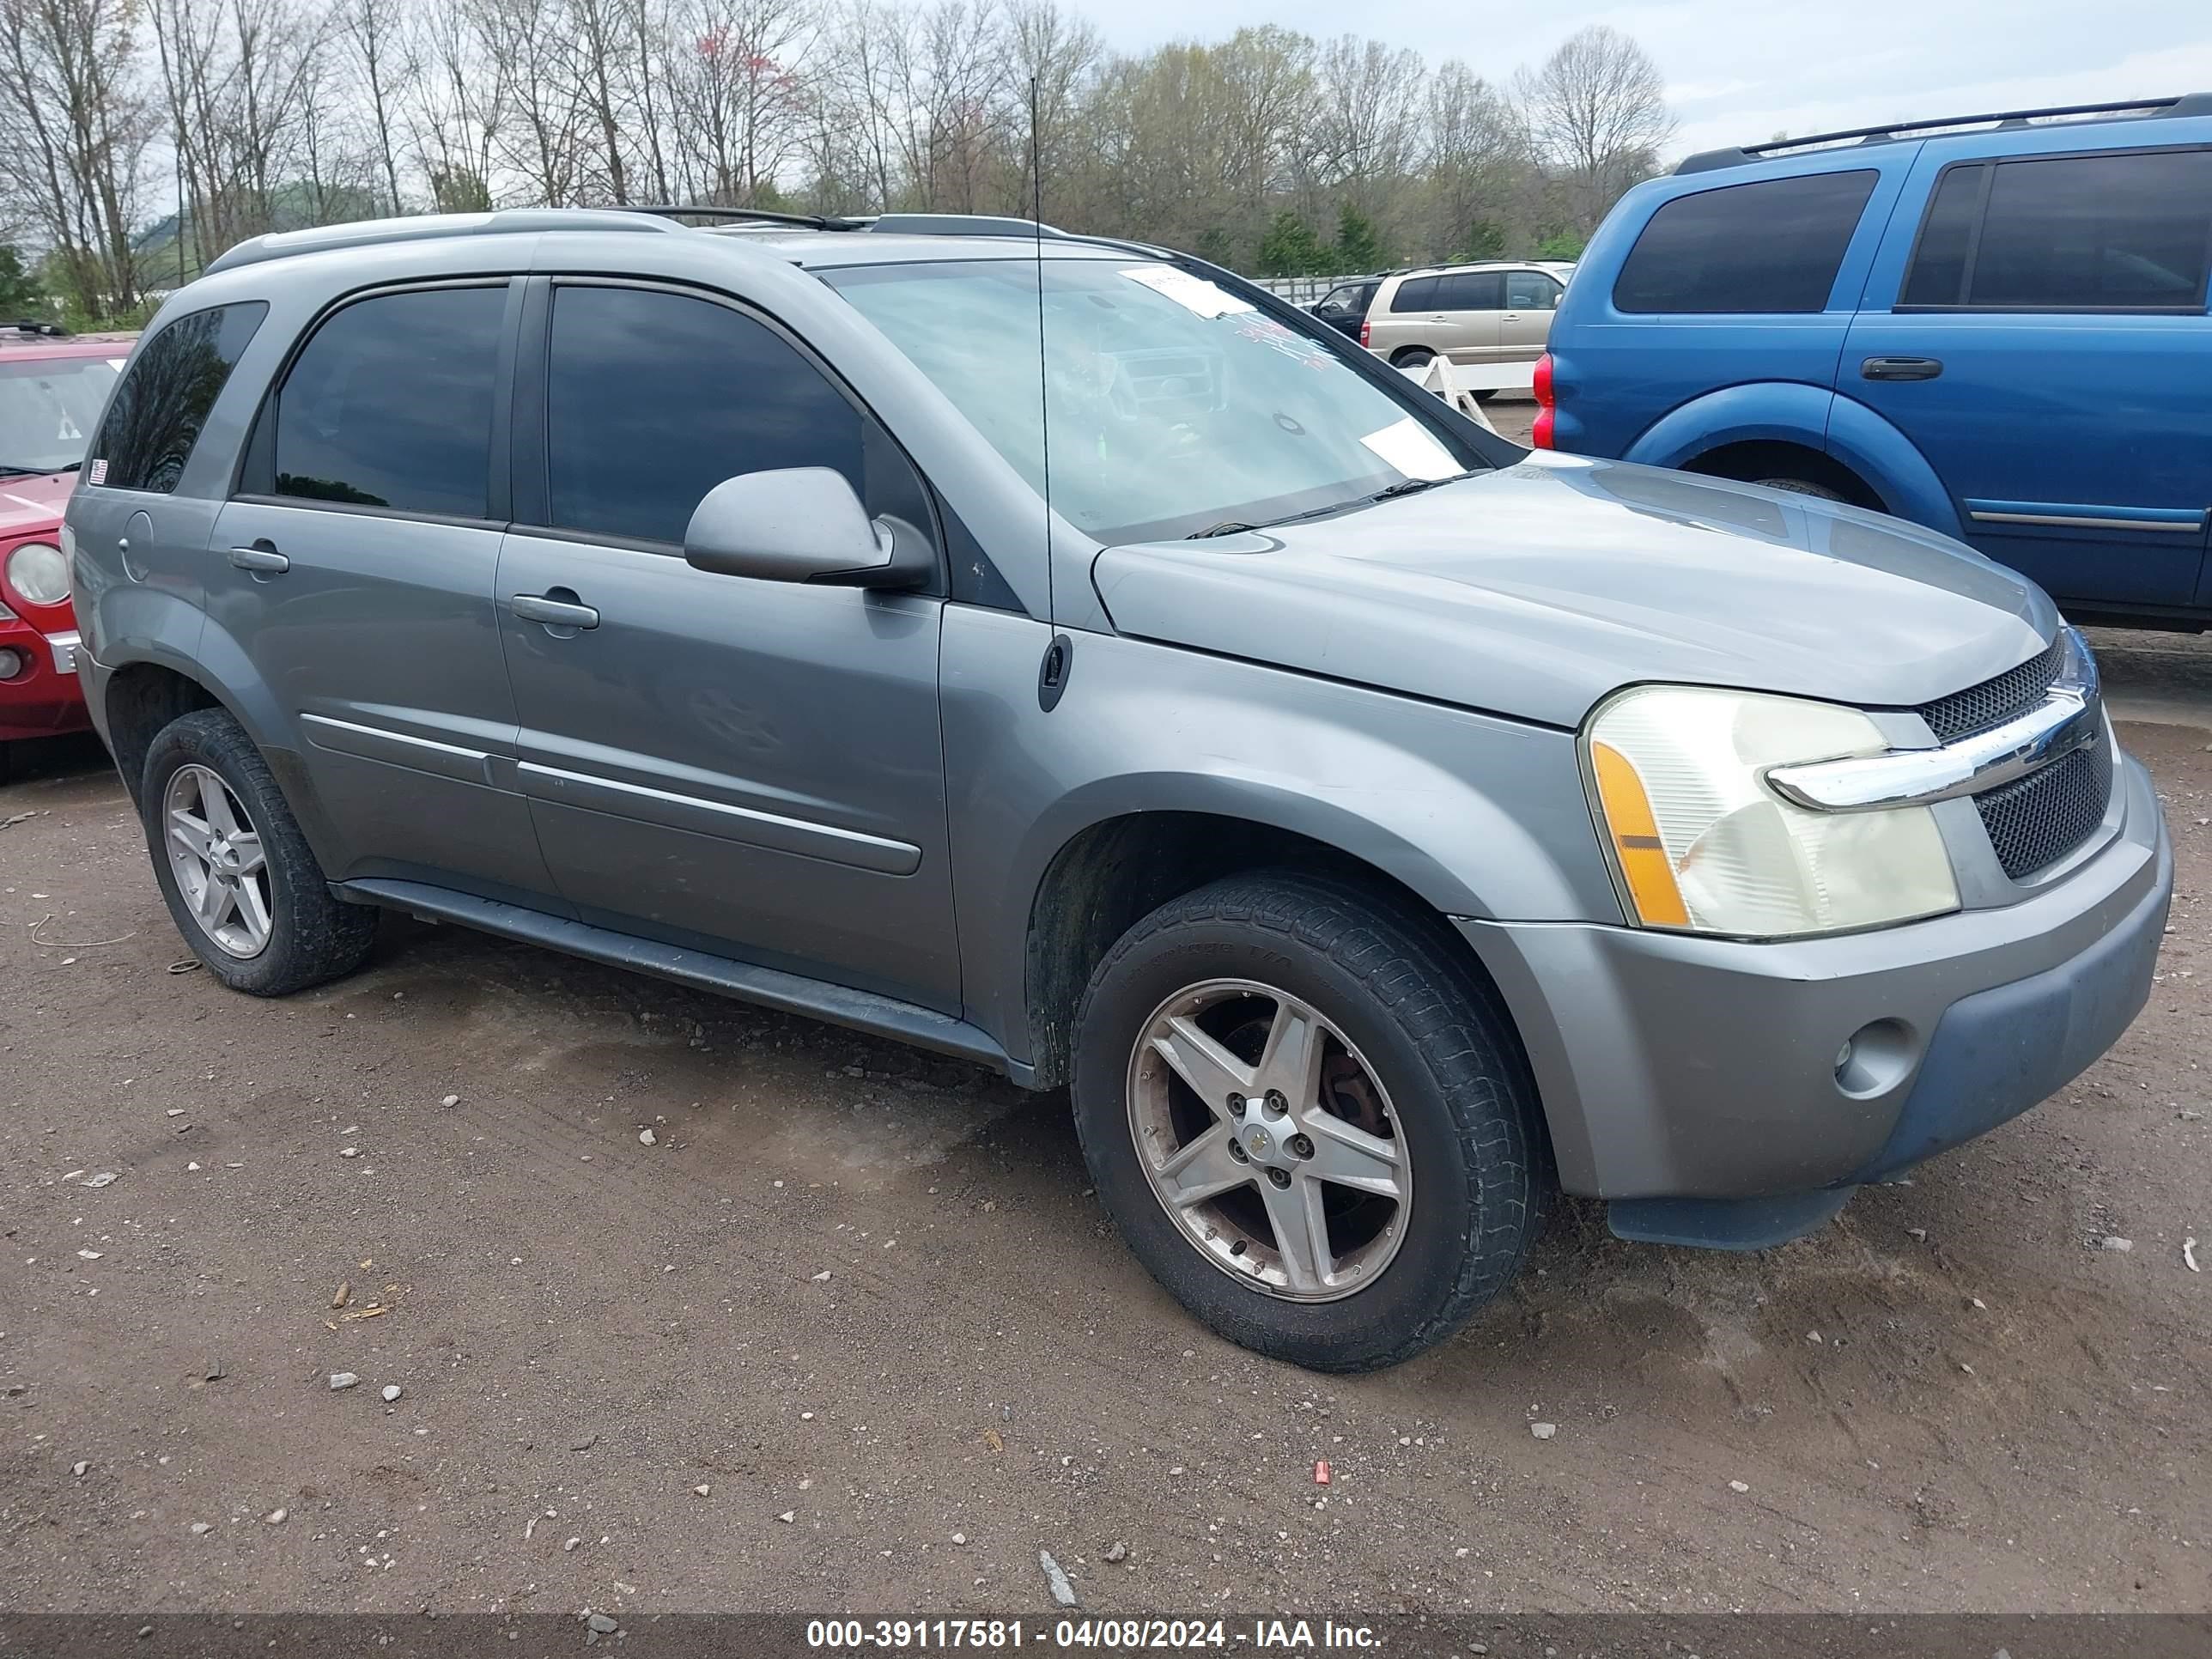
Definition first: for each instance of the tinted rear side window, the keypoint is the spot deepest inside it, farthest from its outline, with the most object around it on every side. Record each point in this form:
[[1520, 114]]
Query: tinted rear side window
[[654, 399], [390, 404], [1416, 293], [2125, 231], [166, 394], [1472, 290], [1771, 246]]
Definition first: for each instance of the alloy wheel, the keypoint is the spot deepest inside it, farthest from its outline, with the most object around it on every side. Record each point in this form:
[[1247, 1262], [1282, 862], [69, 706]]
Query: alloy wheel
[[215, 855], [1269, 1140]]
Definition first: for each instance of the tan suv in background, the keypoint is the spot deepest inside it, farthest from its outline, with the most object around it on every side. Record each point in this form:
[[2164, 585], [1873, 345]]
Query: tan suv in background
[[1499, 313]]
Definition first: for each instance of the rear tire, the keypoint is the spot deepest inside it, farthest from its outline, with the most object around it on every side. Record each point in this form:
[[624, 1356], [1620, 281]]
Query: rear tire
[[248, 895], [1408, 1039], [1413, 357]]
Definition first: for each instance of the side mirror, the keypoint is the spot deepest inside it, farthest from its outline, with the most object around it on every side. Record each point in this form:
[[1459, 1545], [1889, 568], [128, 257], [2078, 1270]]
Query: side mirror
[[802, 524]]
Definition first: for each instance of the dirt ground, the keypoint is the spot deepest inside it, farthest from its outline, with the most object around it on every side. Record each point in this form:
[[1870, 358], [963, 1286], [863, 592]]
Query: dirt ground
[[855, 1335]]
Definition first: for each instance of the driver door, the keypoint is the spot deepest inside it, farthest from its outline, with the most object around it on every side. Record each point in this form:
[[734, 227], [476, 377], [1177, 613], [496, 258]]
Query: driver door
[[748, 767]]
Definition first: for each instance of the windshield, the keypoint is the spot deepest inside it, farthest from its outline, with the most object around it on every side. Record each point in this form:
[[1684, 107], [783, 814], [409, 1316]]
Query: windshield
[[48, 408], [1173, 406]]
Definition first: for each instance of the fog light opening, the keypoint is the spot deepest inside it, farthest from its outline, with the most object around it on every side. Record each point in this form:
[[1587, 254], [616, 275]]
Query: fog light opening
[[1876, 1058], [11, 664]]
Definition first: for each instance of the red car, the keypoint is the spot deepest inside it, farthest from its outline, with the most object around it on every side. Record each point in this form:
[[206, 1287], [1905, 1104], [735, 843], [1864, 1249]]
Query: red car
[[52, 387]]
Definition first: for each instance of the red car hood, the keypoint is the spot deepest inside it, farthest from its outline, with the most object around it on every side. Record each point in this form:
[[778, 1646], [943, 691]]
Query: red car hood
[[33, 503]]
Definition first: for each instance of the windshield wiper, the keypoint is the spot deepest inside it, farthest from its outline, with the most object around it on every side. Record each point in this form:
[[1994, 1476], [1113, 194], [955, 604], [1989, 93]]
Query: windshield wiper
[[1415, 486], [9, 469], [1232, 526]]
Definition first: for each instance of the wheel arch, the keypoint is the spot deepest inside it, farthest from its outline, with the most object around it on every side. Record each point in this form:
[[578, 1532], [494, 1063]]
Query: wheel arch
[[1115, 870]]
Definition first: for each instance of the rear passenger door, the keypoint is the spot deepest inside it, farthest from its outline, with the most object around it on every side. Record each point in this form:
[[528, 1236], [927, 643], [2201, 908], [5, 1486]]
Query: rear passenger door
[[2040, 334], [1467, 307], [749, 767], [354, 568]]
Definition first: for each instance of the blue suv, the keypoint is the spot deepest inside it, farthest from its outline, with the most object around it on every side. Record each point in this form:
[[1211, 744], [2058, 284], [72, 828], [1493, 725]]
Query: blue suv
[[1994, 326]]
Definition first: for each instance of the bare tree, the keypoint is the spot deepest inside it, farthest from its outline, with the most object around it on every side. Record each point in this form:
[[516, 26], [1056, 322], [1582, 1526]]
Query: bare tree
[[1597, 107], [73, 128], [380, 44], [735, 95]]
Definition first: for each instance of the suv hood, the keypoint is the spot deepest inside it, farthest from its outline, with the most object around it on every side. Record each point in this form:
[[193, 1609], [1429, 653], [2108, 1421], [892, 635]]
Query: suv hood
[[1535, 591]]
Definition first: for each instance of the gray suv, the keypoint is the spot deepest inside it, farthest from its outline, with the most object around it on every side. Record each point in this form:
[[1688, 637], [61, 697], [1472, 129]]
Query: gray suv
[[1060, 653]]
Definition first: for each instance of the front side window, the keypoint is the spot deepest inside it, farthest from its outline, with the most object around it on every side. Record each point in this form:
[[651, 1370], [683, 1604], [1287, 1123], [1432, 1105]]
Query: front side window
[[652, 398], [1760, 248], [390, 404], [2129, 231], [1531, 290], [1170, 405], [166, 395]]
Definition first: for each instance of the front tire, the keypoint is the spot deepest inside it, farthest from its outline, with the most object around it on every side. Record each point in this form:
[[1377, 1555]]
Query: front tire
[[238, 878], [1309, 1118]]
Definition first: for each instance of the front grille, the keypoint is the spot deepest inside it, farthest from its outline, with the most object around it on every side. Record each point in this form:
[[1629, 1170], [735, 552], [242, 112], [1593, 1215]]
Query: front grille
[[2035, 821], [1993, 702]]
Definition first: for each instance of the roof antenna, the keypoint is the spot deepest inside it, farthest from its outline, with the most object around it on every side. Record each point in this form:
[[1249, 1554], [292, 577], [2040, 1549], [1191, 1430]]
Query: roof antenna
[[1044, 401]]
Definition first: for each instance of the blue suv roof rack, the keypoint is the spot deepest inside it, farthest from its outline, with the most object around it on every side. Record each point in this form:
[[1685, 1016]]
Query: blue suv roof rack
[[1737, 155]]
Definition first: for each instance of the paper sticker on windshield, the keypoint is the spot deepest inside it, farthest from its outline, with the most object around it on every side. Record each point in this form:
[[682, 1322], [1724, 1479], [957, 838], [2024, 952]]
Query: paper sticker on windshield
[[1193, 293], [1407, 445]]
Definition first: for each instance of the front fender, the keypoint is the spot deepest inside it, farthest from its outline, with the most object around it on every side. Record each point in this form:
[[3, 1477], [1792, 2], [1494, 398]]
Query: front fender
[[1477, 815], [1783, 412]]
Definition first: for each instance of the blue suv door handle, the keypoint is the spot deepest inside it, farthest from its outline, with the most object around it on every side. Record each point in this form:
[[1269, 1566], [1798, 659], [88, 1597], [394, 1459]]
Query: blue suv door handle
[[1901, 368]]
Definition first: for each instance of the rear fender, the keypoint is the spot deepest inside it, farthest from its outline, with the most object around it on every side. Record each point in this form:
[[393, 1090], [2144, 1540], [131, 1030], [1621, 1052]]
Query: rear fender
[[1893, 466], [1784, 411]]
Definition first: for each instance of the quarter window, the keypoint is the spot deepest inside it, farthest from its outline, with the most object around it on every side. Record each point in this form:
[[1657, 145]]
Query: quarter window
[[1767, 247], [166, 395], [652, 398], [390, 404], [2128, 231]]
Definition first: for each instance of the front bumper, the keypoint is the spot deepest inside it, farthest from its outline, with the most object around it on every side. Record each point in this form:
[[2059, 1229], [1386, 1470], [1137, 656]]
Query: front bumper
[[1675, 1067], [42, 696]]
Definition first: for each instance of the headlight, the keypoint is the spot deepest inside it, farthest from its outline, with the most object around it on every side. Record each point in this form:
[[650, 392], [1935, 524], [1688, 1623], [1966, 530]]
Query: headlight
[[1700, 843], [39, 573]]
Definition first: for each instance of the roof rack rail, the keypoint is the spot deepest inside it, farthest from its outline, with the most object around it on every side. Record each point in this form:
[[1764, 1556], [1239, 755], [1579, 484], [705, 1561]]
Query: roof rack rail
[[429, 226], [31, 326], [743, 215], [1738, 156], [964, 224]]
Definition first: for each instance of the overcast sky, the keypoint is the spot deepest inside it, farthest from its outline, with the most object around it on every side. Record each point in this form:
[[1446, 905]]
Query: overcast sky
[[1739, 72]]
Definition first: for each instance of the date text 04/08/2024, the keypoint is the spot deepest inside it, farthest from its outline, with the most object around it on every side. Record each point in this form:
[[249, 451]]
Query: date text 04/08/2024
[[857, 1635]]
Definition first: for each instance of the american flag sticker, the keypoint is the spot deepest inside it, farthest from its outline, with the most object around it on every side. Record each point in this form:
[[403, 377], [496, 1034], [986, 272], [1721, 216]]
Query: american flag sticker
[[100, 472]]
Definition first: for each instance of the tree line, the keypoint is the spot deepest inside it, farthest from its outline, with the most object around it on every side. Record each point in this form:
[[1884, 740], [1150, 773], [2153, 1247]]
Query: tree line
[[139, 138]]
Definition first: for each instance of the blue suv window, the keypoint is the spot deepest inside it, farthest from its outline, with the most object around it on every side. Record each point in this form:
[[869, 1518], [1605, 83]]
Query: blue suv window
[[2127, 231], [1771, 246]]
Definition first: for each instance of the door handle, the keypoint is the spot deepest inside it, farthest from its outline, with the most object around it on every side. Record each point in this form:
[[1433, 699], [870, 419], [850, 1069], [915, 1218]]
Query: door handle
[[553, 613], [1510, 317], [261, 558], [1901, 368]]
